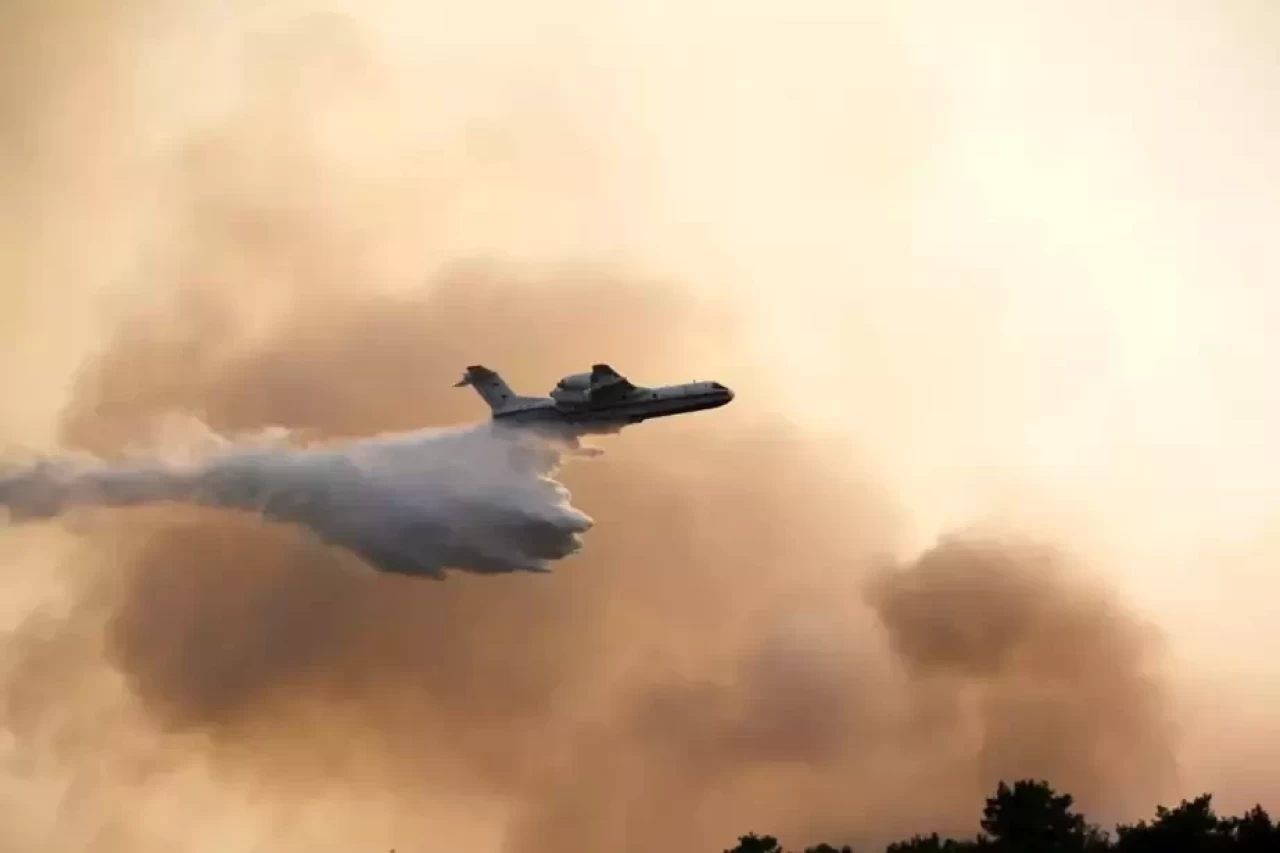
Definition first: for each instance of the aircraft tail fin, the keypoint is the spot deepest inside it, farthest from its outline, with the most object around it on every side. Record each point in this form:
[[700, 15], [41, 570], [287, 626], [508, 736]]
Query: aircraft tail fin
[[489, 385]]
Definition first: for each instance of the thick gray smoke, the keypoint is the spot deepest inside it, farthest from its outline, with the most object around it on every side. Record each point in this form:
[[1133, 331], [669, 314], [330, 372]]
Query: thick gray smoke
[[478, 498], [720, 660]]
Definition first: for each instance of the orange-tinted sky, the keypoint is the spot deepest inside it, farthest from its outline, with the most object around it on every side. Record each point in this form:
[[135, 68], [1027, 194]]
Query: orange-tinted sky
[[1017, 259]]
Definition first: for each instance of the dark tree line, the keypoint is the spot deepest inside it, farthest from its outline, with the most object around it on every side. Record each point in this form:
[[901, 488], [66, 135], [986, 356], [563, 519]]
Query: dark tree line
[[1030, 817]]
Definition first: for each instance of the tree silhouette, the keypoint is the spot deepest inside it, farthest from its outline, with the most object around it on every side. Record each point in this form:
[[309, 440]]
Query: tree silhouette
[[752, 843], [1030, 817], [932, 844], [1253, 832], [1191, 827]]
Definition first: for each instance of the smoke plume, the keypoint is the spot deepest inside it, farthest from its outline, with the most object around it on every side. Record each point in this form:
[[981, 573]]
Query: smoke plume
[[729, 650], [723, 652]]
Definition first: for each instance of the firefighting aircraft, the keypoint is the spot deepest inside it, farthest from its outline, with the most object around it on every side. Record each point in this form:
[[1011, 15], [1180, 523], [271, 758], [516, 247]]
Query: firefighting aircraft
[[600, 402]]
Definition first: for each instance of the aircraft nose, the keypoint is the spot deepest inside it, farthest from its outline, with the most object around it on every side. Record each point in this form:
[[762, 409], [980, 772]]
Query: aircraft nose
[[723, 391]]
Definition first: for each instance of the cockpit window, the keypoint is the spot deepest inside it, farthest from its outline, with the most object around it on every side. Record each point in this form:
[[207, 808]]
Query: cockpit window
[[718, 386]]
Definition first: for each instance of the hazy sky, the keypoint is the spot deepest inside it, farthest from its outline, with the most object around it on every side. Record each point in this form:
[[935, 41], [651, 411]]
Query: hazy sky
[[1019, 255]]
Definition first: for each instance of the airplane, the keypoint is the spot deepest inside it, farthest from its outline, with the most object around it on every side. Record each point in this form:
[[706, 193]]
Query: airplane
[[596, 403]]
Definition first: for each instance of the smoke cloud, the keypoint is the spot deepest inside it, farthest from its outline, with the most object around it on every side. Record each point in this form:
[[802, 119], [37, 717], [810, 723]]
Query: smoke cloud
[[270, 221], [723, 652]]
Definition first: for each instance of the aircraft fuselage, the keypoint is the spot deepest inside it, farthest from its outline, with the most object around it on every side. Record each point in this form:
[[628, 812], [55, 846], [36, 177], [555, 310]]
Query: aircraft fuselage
[[636, 406], [595, 402]]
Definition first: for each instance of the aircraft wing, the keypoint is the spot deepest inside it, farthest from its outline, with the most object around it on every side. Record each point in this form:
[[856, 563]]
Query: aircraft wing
[[604, 376]]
